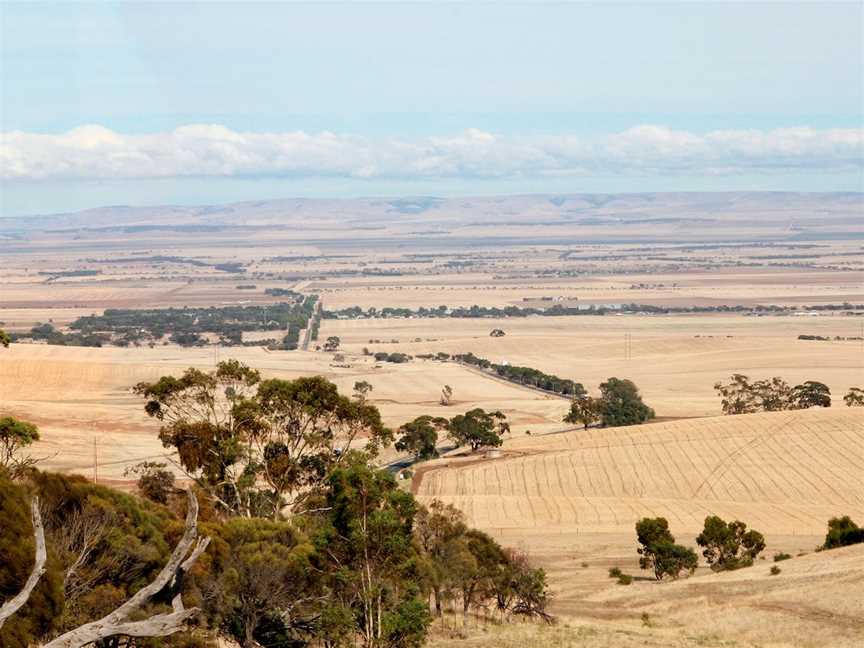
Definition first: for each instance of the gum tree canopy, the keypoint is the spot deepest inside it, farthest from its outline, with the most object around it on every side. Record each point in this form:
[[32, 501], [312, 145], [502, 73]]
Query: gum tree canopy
[[256, 446]]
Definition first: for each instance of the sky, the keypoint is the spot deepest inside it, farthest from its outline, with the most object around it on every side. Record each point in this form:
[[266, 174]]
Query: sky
[[201, 103]]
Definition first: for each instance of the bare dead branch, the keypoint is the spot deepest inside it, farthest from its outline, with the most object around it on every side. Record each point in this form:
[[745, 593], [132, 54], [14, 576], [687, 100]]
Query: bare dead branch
[[11, 606], [117, 622]]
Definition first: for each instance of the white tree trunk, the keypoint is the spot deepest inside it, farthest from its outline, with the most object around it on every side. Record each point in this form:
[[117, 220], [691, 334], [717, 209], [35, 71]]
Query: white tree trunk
[[11, 606], [117, 622]]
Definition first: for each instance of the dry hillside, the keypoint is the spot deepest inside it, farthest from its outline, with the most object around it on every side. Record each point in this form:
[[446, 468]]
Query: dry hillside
[[784, 472]]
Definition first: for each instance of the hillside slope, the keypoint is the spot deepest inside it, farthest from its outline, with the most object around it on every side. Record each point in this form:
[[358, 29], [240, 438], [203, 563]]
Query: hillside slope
[[783, 472]]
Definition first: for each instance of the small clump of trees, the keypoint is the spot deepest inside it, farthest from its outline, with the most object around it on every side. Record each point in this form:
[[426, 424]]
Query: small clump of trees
[[854, 397], [620, 403], [420, 437], [476, 429], [660, 553], [741, 396], [842, 532], [396, 357], [729, 545]]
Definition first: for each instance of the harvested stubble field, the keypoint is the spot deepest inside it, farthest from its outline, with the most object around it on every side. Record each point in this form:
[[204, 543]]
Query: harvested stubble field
[[675, 360], [784, 471], [571, 500], [78, 395]]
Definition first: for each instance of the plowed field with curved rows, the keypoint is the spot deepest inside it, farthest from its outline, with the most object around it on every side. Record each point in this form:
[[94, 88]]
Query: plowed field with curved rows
[[783, 472]]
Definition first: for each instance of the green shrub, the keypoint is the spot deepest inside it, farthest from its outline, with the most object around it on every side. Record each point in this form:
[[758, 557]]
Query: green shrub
[[614, 572], [781, 556], [843, 532], [775, 570], [625, 579]]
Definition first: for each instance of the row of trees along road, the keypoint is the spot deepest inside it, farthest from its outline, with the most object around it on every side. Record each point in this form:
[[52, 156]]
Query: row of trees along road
[[303, 541]]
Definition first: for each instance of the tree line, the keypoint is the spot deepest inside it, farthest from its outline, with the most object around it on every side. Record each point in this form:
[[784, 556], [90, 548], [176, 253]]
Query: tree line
[[521, 375], [559, 310], [742, 396], [187, 326]]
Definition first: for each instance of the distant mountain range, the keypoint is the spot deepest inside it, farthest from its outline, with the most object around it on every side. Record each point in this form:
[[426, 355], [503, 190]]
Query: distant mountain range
[[568, 217]]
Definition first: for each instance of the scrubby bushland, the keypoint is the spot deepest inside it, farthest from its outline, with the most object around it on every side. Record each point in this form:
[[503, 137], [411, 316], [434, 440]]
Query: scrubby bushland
[[154, 481], [309, 543], [359, 569]]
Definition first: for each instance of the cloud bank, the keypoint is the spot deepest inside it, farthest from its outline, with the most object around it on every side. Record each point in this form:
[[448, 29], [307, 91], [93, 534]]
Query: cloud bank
[[207, 150]]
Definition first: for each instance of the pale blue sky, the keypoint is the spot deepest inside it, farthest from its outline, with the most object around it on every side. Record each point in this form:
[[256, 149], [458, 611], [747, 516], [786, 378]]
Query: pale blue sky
[[556, 87]]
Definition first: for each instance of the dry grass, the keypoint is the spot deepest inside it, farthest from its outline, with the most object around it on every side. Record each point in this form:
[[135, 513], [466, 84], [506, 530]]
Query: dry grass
[[814, 603]]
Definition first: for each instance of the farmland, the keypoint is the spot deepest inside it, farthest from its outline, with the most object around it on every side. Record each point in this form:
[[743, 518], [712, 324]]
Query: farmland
[[756, 300]]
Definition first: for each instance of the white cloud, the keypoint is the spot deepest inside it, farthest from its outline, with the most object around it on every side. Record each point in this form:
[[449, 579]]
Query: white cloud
[[95, 152]]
